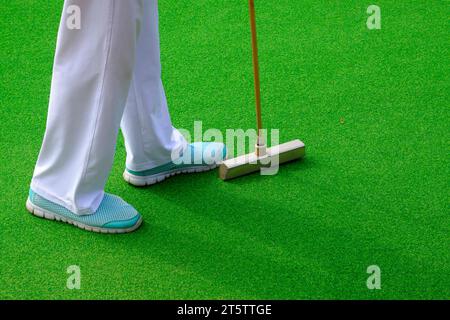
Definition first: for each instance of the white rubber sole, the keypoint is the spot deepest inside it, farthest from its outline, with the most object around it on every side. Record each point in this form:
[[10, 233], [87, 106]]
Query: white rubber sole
[[45, 214], [142, 181]]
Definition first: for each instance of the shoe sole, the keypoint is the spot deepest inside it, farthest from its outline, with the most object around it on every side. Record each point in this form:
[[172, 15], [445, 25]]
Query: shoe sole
[[45, 214], [143, 181]]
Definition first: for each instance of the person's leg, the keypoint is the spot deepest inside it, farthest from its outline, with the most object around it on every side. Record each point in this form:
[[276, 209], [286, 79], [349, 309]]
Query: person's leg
[[91, 79], [149, 135], [153, 145]]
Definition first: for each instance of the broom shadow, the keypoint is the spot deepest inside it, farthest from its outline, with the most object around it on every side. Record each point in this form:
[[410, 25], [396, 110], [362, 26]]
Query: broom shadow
[[272, 226]]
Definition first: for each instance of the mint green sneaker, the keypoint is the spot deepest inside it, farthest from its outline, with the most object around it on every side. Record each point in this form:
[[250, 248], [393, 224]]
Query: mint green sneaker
[[112, 216], [199, 157]]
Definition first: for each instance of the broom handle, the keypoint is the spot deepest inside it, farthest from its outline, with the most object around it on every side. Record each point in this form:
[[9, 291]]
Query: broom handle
[[256, 69]]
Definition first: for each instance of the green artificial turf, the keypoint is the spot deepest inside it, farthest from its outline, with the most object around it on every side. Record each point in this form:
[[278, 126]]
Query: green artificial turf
[[371, 106]]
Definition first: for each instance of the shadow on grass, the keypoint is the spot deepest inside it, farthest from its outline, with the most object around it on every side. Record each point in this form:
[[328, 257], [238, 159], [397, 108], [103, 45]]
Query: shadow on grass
[[246, 236]]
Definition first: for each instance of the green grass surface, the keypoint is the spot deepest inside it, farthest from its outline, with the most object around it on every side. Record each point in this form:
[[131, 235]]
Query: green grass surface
[[372, 107]]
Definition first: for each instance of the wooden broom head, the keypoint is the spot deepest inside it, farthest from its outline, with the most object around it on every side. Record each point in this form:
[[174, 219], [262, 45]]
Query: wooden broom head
[[249, 163]]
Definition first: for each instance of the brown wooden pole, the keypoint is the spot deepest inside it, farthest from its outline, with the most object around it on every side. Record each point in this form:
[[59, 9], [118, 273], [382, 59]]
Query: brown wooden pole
[[256, 70]]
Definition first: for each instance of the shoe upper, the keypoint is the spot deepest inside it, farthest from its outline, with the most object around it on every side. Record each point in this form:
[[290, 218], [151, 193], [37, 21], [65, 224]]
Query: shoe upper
[[113, 212], [196, 154]]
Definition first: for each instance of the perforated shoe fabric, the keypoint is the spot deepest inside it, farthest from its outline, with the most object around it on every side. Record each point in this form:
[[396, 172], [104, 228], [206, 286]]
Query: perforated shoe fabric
[[113, 214], [198, 157]]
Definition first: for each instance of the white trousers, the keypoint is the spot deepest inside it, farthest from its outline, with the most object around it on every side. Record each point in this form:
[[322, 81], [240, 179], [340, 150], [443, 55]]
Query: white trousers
[[106, 75]]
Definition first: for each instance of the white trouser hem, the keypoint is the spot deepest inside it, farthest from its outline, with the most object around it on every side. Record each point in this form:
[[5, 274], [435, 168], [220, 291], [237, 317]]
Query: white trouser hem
[[181, 148], [66, 204], [148, 165]]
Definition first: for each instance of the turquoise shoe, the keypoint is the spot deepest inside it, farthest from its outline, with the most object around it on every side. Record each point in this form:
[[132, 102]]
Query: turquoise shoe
[[112, 216], [199, 157]]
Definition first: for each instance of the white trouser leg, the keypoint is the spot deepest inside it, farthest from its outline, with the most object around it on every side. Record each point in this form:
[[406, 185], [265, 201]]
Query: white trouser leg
[[149, 135], [91, 78]]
